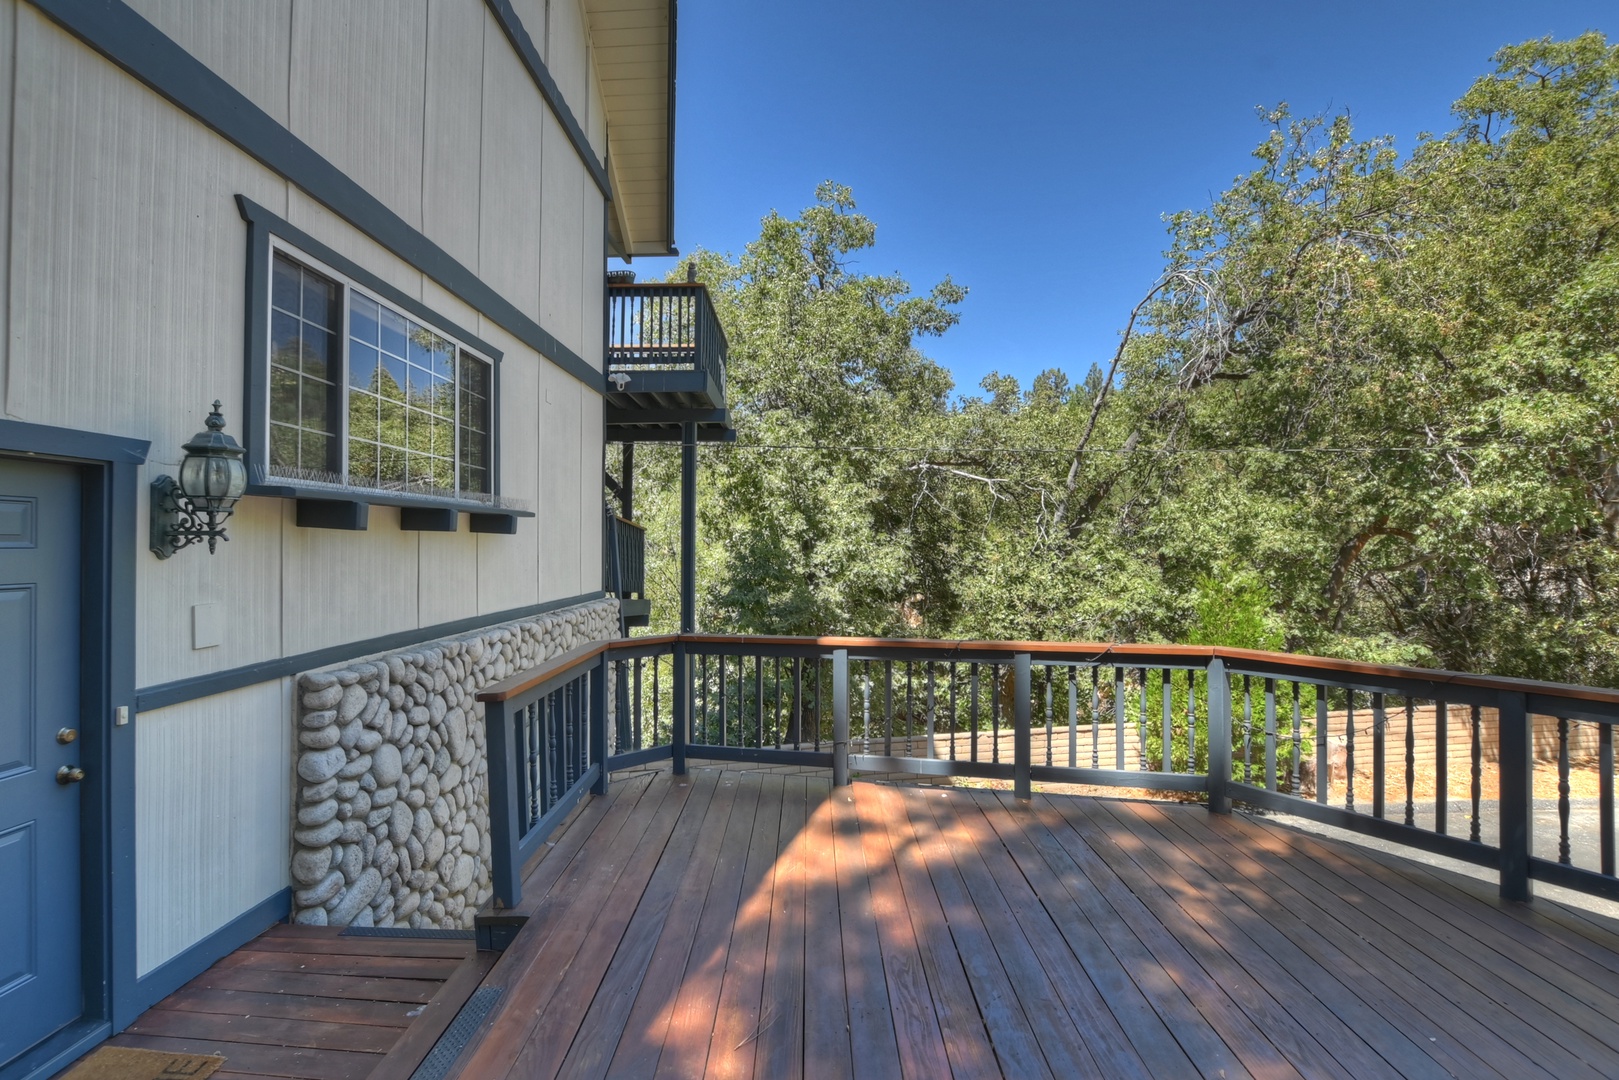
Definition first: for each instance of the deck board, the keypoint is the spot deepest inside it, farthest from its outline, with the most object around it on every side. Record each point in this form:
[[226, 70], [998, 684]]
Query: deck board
[[1498, 987], [310, 1004], [1285, 922], [742, 922], [684, 1051]]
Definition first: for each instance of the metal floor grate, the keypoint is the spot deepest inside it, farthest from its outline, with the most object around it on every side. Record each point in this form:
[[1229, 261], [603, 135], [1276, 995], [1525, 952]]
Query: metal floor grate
[[456, 1037]]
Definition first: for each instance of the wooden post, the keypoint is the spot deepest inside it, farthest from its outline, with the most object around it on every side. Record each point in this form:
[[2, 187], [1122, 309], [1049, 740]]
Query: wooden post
[[840, 718], [1379, 754], [598, 722], [1219, 694], [688, 592], [1605, 796], [504, 833], [1517, 758], [682, 731], [1323, 773], [688, 528], [1021, 690], [626, 483]]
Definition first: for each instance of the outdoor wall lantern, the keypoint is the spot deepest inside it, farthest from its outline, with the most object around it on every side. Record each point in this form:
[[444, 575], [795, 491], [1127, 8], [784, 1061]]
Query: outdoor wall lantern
[[212, 478]]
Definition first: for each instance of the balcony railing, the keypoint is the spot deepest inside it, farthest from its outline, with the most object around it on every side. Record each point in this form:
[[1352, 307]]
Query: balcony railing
[[664, 327], [625, 552], [1281, 732]]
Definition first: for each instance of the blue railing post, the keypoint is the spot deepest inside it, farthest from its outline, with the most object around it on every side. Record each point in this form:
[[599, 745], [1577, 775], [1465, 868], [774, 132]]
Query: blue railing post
[[598, 722], [677, 742], [1517, 759], [840, 718], [1219, 695], [504, 833], [1022, 754]]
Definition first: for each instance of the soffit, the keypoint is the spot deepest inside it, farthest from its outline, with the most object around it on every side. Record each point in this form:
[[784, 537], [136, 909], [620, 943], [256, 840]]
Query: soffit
[[632, 41]]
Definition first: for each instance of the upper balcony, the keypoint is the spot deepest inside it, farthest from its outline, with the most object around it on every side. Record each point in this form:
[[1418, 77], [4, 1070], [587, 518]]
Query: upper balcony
[[666, 356]]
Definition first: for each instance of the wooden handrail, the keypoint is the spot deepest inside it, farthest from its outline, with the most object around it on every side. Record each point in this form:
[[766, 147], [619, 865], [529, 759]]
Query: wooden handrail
[[1088, 651], [515, 685], [1093, 651]]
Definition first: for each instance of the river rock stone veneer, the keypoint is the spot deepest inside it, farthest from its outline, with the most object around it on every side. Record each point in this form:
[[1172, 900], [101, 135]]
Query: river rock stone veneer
[[392, 805]]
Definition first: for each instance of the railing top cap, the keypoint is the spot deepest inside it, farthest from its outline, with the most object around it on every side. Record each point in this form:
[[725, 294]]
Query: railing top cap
[[1080, 651], [657, 286], [516, 685], [1303, 666]]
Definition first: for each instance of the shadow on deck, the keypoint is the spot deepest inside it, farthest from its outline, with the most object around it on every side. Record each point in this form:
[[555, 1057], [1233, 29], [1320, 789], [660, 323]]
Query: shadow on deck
[[763, 924]]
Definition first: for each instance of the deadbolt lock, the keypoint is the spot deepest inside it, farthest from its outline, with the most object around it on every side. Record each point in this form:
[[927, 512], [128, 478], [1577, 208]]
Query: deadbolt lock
[[69, 774], [67, 735]]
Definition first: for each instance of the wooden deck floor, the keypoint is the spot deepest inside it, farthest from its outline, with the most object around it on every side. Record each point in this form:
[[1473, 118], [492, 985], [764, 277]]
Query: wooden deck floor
[[757, 924], [311, 1003]]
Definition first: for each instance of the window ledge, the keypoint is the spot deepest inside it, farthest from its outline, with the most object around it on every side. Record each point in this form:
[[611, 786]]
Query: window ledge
[[330, 506]]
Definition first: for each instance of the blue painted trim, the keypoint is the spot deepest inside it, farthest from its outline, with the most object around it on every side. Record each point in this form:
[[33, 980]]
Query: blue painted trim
[[530, 843], [768, 755], [631, 758], [1574, 877], [1452, 846], [119, 33], [506, 871], [275, 487], [162, 695], [61, 443], [280, 227], [878, 763], [180, 969], [57, 1052], [109, 530], [262, 225], [517, 34], [1154, 781]]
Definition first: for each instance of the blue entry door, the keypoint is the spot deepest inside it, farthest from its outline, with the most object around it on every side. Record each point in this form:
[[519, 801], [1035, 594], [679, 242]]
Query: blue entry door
[[40, 979]]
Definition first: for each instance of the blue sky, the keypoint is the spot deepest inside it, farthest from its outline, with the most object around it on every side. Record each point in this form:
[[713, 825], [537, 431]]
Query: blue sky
[[1029, 150]]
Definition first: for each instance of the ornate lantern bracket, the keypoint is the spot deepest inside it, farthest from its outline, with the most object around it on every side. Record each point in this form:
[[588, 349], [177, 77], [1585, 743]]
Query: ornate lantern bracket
[[195, 507]]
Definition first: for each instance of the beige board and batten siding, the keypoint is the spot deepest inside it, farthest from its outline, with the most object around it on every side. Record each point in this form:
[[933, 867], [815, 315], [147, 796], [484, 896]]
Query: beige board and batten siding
[[8, 55], [124, 288], [122, 210], [213, 814]]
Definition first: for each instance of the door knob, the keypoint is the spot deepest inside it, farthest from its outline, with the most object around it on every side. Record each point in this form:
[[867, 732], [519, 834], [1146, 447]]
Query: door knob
[[67, 735], [69, 774]]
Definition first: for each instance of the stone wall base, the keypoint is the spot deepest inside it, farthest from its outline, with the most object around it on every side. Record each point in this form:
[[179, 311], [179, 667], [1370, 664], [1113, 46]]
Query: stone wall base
[[392, 795]]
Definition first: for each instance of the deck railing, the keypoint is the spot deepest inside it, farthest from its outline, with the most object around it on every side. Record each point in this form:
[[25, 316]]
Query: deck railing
[[664, 326], [625, 553], [546, 737], [1330, 740]]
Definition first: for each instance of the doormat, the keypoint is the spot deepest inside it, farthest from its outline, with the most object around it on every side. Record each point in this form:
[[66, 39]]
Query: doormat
[[127, 1063]]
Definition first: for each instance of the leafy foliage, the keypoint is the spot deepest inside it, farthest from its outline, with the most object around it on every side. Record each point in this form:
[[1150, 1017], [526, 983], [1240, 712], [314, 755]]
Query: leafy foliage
[[1368, 410]]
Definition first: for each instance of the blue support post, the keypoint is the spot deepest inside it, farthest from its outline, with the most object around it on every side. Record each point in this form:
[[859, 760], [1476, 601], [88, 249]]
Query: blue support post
[[840, 718], [1022, 669], [682, 731], [1517, 758], [1219, 694], [598, 723], [688, 591], [504, 833]]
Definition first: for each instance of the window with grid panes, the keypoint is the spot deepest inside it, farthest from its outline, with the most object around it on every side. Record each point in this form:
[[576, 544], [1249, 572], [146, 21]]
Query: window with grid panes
[[365, 395]]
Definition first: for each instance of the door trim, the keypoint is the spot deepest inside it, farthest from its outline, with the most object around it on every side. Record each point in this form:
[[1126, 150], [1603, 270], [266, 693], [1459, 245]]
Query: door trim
[[109, 468]]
